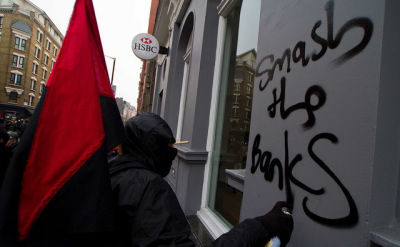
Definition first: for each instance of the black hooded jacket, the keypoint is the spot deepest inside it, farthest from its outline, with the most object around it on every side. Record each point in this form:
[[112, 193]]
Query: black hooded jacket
[[148, 212]]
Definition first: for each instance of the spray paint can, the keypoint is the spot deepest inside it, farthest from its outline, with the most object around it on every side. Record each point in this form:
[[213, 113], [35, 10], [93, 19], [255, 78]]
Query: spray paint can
[[275, 241]]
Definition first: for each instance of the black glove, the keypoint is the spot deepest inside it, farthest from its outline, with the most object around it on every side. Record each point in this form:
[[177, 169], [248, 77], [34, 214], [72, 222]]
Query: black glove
[[277, 223]]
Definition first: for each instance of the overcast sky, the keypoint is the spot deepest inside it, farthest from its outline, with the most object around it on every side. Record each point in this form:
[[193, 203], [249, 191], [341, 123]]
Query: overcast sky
[[119, 21]]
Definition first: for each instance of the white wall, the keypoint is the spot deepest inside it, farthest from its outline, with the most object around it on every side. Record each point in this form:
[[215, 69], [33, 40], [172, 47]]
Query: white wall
[[335, 152]]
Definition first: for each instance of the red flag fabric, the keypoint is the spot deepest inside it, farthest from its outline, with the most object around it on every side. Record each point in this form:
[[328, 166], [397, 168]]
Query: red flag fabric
[[71, 126]]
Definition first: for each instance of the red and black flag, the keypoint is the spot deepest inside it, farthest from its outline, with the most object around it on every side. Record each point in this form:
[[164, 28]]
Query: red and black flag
[[57, 186]]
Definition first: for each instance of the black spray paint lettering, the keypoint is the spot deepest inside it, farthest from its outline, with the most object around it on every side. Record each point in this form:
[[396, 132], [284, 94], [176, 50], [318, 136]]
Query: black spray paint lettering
[[361, 22], [299, 52], [267, 166], [306, 105]]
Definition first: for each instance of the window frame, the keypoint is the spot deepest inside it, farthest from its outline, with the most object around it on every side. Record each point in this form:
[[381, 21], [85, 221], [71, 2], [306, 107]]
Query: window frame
[[250, 77], [55, 50], [21, 44], [44, 73], [236, 99], [37, 52], [17, 42], [46, 58], [15, 78], [19, 61], [35, 68], [238, 85], [249, 89], [31, 98], [248, 101], [48, 44], [42, 85], [212, 222], [53, 61], [39, 36]]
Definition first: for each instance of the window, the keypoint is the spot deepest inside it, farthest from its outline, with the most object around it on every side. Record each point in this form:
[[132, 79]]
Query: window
[[1, 21], [20, 43], [236, 99], [237, 86], [227, 159], [17, 41], [35, 67], [52, 63], [55, 50], [33, 84], [249, 89], [15, 79], [44, 73], [23, 44], [39, 36], [248, 101], [250, 77], [18, 61], [21, 62], [48, 44], [15, 60], [248, 114], [13, 97], [42, 84], [235, 111], [246, 126], [31, 97], [37, 52], [46, 58]]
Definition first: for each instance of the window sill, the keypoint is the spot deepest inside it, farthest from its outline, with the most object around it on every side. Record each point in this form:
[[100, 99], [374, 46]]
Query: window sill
[[386, 236], [213, 224]]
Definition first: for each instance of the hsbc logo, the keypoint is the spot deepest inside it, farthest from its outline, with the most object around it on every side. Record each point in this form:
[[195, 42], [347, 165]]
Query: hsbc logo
[[145, 46], [146, 41]]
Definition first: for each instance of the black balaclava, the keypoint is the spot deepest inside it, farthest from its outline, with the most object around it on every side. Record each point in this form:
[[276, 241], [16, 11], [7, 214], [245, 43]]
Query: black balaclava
[[148, 135]]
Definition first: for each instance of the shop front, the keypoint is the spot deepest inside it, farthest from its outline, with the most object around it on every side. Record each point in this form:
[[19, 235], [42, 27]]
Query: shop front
[[287, 101]]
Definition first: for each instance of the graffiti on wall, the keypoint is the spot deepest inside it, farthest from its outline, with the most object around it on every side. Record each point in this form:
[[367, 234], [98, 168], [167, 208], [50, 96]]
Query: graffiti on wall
[[264, 161]]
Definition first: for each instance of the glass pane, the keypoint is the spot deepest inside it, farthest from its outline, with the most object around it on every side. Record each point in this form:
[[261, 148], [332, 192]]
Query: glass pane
[[234, 111]]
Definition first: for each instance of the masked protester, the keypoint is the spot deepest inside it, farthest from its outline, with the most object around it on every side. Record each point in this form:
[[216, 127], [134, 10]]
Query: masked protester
[[148, 212]]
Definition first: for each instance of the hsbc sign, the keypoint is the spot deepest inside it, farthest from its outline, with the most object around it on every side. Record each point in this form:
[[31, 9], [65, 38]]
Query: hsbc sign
[[145, 46]]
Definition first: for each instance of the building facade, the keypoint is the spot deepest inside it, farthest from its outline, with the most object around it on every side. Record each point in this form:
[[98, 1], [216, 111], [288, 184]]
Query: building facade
[[126, 110], [148, 73], [29, 46], [285, 100]]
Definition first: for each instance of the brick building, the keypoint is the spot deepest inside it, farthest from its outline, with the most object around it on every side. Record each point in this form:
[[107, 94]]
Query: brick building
[[29, 45], [148, 74]]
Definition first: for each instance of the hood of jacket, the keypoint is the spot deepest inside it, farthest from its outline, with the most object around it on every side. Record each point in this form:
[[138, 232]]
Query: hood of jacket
[[147, 140]]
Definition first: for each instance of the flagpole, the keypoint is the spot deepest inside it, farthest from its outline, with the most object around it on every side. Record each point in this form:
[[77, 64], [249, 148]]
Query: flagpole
[[112, 73]]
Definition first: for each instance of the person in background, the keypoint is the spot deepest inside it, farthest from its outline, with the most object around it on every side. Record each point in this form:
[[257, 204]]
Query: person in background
[[13, 141], [148, 212]]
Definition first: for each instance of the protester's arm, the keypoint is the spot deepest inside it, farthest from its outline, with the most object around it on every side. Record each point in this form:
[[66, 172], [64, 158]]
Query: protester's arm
[[258, 231], [160, 220], [248, 233]]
